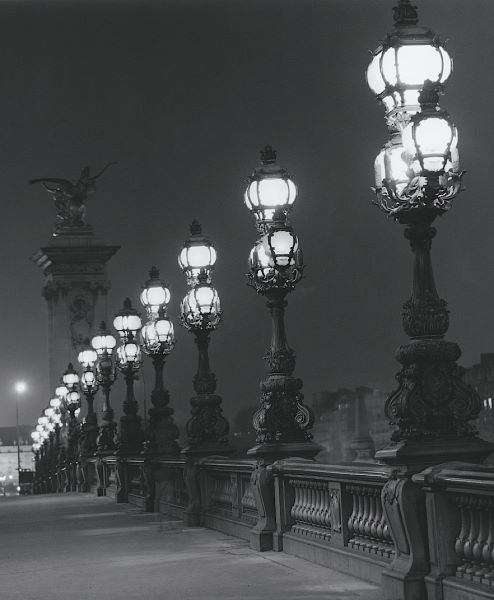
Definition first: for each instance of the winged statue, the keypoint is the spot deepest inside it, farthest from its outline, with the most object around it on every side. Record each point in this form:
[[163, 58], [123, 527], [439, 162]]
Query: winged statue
[[70, 196]]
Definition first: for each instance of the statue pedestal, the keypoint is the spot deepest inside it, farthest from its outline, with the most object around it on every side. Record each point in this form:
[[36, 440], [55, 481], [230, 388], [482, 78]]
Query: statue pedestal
[[75, 288]]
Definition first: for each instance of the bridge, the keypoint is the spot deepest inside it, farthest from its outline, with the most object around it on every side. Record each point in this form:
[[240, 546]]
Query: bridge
[[80, 546]]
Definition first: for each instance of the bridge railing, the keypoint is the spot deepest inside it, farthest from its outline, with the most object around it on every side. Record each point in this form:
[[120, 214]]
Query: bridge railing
[[333, 515], [460, 525]]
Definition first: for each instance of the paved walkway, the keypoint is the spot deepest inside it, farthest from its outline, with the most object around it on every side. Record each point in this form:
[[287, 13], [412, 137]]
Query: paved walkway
[[79, 547]]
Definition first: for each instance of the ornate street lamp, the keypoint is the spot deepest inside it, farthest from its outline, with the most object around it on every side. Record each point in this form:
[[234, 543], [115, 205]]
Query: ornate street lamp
[[104, 342], [158, 340], [275, 267], [200, 313], [73, 402], [400, 66], [89, 385], [283, 422], [417, 178], [197, 257], [130, 435], [154, 293], [270, 191]]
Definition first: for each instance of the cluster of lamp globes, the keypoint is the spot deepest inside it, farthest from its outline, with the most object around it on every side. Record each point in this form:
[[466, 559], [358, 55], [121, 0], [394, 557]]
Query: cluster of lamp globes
[[407, 73], [66, 397], [275, 261], [200, 308]]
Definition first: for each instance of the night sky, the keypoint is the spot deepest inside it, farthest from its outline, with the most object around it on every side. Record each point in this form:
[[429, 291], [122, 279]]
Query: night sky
[[183, 94]]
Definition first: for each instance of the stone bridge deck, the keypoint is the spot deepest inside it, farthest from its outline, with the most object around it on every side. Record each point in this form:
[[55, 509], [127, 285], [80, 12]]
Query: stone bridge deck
[[78, 547]]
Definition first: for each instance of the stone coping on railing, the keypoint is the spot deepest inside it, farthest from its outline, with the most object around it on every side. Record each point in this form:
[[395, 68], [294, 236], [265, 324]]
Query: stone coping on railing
[[220, 463], [459, 477], [352, 472]]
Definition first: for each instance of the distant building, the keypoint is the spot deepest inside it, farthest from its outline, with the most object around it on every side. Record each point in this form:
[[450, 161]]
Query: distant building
[[8, 454], [335, 422], [481, 378]]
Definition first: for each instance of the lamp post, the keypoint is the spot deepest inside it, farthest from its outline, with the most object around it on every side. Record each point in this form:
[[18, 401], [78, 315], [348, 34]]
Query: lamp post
[[158, 340], [70, 380], [87, 358], [127, 322], [200, 313], [283, 422], [417, 178], [104, 342]]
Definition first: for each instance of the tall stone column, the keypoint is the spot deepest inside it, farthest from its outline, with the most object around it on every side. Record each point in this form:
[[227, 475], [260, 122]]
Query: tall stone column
[[74, 268]]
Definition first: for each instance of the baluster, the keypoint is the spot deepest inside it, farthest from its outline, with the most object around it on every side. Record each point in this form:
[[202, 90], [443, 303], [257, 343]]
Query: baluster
[[365, 515], [472, 535], [462, 535], [323, 502], [488, 551], [372, 520], [481, 537], [294, 509], [326, 512], [379, 518], [353, 517], [316, 516], [306, 499]]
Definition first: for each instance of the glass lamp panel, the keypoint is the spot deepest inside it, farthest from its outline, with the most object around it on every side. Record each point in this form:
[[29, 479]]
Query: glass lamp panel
[[388, 66], [149, 334], [292, 191], [251, 195], [395, 164], [132, 352], [416, 63], [200, 257], [379, 173], [388, 102], [411, 98], [55, 402], [447, 64], [374, 78], [433, 135], [273, 192], [164, 330], [283, 245], [454, 162]]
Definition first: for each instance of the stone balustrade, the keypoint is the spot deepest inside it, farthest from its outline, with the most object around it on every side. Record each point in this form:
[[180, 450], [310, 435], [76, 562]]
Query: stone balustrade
[[226, 495], [367, 526], [333, 515], [460, 523]]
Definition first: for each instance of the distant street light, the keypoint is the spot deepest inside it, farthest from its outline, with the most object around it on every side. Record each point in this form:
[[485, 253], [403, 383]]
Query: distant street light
[[104, 342], [87, 358], [127, 322], [158, 340], [200, 313]]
